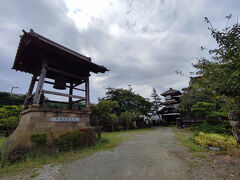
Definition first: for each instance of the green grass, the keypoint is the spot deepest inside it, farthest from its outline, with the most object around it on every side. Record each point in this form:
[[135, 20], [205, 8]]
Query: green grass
[[2, 140], [190, 144], [108, 142], [185, 137], [34, 175], [116, 138]]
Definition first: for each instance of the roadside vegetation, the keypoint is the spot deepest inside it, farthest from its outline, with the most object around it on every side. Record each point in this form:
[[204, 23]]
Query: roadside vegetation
[[214, 92], [116, 112], [226, 144], [7, 99], [2, 140], [9, 119], [198, 142], [108, 142], [186, 139]]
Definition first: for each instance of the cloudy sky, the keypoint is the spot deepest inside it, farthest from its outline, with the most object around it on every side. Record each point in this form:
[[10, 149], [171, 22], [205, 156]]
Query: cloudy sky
[[141, 42]]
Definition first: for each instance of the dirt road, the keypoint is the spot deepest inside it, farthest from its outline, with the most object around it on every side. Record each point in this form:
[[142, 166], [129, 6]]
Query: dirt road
[[148, 155], [155, 155]]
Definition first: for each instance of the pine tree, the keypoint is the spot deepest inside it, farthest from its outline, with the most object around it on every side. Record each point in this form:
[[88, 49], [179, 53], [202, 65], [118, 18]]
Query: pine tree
[[156, 100]]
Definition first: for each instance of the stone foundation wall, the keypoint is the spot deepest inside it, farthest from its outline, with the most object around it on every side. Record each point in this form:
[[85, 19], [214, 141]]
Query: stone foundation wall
[[38, 120]]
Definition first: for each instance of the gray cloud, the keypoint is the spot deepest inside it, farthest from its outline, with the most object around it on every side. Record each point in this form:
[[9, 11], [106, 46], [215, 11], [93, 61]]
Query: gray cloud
[[153, 39], [45, 18]]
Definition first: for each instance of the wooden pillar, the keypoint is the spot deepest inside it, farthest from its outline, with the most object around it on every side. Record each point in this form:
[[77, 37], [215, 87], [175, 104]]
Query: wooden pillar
[[30, 90], [70, 98], [87, 95], [39, 89]]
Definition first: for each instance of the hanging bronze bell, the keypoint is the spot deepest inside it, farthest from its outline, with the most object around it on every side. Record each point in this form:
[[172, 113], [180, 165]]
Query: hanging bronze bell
[[60, 82]]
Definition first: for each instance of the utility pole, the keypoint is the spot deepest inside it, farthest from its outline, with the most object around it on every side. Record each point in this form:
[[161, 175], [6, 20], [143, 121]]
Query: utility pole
[[130, 87], [13, 87]]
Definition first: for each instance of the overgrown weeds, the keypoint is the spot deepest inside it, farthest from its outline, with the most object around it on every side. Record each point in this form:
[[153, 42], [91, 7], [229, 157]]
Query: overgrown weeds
[[197, 141], [37, 158], [226, 144]]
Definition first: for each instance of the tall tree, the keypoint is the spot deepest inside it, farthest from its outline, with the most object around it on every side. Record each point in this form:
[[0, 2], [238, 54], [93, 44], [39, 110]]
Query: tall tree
[[103, 114], [128, 100], [221, 73], [156, 100]]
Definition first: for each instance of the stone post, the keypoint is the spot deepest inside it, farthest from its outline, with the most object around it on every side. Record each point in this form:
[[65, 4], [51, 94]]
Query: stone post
[[234, 117]]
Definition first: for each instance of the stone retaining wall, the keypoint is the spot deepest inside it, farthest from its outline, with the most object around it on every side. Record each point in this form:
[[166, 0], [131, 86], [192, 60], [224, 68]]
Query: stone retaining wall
[[37, 119]]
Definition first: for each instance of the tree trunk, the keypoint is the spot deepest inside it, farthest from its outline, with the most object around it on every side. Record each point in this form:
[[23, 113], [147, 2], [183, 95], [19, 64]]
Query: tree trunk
[[127, 125], [234, 117]]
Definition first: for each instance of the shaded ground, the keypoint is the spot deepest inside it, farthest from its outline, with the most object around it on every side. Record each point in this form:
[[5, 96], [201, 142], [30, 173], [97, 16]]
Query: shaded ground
[[148, 155]]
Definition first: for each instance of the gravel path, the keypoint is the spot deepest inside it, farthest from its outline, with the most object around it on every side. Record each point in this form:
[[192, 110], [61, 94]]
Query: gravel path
[[155, 155], [147, 156]]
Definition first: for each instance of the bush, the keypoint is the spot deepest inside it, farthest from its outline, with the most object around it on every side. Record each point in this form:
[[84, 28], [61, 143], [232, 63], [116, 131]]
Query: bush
[[7, 111], [103, 114], [9, 118], [39, 139], [75, 139], [224, 142], [222, 127], [89, 136], [9, 99], [69, 140], [75, 106], [120, 128], [8, 125], [214, 117]]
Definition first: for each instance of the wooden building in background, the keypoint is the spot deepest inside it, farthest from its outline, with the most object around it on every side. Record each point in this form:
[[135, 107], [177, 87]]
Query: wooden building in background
[[170, 111]]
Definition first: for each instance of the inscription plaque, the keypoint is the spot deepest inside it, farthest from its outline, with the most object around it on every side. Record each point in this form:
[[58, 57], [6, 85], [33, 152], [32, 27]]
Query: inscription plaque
[[64, 119]]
